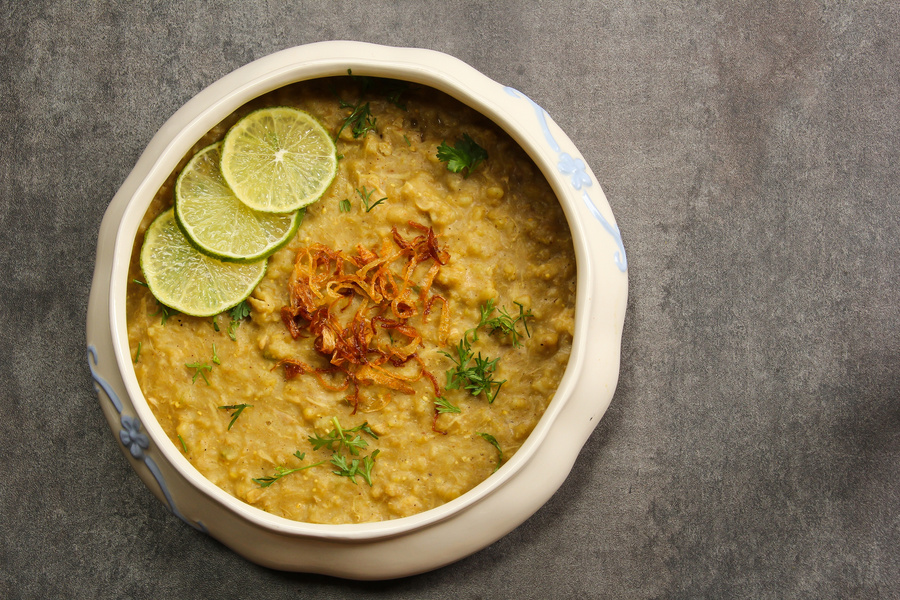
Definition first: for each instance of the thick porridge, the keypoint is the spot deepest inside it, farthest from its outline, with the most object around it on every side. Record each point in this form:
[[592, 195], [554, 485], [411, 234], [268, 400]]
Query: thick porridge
[[401, 347]]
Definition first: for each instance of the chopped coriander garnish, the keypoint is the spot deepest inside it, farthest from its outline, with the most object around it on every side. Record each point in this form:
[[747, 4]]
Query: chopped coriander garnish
[[344, 469], [367, 464], [355, 467], [236, 409], [342, 438], [360, 119], [344, 205], [496, 445], [406, 139], [365, 195], [281, 472], [365, 428], [201, 367], [486, 309], [339, 439], [465, 154], [477, 378], [442, 405], [240, 311], [164, 311], [238, 314], [476, 373], [506, 323], [183, 445], [137, 355], [215, 358]]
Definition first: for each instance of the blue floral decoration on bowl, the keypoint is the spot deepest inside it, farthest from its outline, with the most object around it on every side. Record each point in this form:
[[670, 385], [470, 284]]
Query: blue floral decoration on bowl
[[134, 439], [576, 170]]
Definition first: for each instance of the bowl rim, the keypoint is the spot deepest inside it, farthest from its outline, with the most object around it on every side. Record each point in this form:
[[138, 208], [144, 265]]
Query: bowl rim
[[314, 61]]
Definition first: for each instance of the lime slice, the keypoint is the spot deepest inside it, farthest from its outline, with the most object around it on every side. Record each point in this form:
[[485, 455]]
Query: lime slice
[[218, 223], [278, 159], [187, 280]]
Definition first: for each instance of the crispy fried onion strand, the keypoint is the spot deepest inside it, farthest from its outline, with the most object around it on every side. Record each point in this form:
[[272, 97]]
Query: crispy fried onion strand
[[325, 283]]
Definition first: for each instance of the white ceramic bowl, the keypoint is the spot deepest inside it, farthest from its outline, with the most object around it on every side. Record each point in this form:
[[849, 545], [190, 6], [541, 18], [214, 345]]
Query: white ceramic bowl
[[436, 537]]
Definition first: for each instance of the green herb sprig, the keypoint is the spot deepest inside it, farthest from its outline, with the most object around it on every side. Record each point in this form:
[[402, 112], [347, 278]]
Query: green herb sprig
[[465, 154], [493, 441], [475, 373], [360, 120], [164, 312], [442, 406], [363, 467], [365, 195], [506, 323], [200, 368], [340, 439], [237, 314], [282, 471], [236, 410], [472, 373]]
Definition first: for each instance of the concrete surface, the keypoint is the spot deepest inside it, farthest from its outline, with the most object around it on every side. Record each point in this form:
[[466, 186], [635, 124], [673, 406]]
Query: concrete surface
[[749, 151]]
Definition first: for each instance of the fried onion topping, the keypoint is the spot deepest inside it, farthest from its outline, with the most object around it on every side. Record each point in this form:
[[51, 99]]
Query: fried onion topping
[[373, 346]]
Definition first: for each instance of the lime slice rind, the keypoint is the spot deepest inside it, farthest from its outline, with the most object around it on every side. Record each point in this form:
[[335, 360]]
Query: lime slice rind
[[220, 225], [189, 281], [278, 159]]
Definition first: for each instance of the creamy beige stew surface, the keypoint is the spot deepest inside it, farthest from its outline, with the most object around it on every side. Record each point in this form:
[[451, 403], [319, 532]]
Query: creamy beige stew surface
[[503, 237]]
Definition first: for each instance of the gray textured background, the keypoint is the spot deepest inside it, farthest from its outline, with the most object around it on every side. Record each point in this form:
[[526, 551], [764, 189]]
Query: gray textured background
[[749, 151]]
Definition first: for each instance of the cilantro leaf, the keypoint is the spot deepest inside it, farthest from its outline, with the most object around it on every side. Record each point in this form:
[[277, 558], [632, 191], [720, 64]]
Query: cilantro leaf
[[464, 154], [339, 439], [475, 378], [365, 196], [200, 368], [241, 311], [281, 472], [236, 410], [442, 405], [344, 469], [237, 314], [493, 441]]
